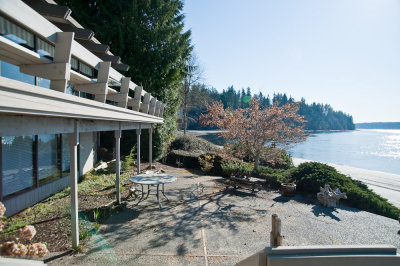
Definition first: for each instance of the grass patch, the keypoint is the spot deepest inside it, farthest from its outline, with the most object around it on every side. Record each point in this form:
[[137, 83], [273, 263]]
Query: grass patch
[[52, 216]]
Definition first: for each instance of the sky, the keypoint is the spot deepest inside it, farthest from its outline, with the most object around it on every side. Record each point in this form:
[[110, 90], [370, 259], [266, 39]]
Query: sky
[[345, 53]]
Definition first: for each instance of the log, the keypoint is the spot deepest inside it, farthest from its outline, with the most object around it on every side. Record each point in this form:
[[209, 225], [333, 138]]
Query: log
[[275, 235]]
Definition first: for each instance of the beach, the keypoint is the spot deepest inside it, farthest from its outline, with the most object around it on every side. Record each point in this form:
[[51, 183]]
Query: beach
[[385, 184]]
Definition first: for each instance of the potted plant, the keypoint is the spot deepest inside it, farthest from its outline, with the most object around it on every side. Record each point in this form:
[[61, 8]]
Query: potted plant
[[288, 189]]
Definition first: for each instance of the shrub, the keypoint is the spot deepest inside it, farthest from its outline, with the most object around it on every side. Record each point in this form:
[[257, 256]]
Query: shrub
[[193, 144], [184, 159], [311, 176], [236, 168], [274, 177], [211, 163], [276, 158], [129, 159]]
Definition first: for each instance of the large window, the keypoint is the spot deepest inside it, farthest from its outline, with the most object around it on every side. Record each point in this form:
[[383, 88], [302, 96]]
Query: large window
[[48, 158], [11, 71], [83, 68], [17, 155], [16, 33], [65, 155]]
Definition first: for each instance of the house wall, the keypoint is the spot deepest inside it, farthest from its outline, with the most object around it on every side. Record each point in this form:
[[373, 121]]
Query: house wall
[[87, 148], [25, 199], [29, 198]]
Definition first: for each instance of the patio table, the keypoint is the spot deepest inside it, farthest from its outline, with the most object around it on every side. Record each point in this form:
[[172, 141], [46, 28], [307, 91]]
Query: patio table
[[153, 180]]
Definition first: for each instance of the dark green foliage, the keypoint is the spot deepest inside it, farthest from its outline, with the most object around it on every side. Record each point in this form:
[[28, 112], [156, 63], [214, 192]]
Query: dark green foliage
[[130, 159], [149, 36], [185, 159], [211, 163], [274, 176], [185, 151], [235, 168], [311, 176]]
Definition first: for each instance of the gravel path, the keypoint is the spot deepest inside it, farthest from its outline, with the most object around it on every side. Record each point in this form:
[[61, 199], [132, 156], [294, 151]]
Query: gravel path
[[205, 225]]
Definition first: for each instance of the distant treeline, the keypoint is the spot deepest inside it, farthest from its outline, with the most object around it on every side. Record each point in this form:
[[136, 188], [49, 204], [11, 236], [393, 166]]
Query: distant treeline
[[378, 125], [318, 116]]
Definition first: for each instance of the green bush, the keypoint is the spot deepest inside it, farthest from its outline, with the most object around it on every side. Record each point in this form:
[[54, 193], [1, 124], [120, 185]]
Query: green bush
[[183, 159], [235, 168], [129, 159], [273, 177], [311, 176], [211, 163]]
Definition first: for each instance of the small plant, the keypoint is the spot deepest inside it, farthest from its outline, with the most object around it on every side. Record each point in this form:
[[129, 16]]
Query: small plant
[[129, 159], [84, 235], [96, 214], [207, 162], [78, 249], [96, 226]]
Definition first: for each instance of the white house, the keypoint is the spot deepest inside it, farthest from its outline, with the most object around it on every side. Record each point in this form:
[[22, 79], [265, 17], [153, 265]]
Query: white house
[[59, 87]]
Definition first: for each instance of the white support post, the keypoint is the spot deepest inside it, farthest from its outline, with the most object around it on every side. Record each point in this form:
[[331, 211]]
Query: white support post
[[152, 107], [124, 91], [151, 147], [73, 177], [138, 131], [158, 107], [161, 110], [118, 164], [144, 106], [135, 102], [59, 71], [99, 88]]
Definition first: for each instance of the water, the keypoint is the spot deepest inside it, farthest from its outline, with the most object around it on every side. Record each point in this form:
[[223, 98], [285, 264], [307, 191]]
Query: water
[[372, 149]]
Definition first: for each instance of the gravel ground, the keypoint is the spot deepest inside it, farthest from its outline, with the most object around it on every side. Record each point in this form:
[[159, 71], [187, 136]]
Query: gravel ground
[[205, 225]]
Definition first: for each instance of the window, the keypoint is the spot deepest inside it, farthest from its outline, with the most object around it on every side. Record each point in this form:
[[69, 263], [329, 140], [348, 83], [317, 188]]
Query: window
[[74, 64], [45, 49], [86, 69], [17, 155], [83, 68], [16, 33], [11, 71], [65, 155], [48, 158]]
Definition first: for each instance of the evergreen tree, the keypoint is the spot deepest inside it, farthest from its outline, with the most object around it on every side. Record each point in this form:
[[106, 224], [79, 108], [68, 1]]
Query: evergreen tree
[[149, 36]]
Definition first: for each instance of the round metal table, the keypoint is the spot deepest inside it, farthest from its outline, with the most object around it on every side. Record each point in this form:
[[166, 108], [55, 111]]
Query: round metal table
[[153, 180]]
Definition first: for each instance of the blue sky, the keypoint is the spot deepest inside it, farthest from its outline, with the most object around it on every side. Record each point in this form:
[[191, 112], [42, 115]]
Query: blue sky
[[342, 52]]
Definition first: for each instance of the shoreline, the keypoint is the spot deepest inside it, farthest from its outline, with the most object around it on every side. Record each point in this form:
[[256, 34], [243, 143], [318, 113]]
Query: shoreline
[[384, 184]]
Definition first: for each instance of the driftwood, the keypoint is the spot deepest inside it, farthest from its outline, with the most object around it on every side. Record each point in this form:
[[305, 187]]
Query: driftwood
[[275, 235], [329, 197]]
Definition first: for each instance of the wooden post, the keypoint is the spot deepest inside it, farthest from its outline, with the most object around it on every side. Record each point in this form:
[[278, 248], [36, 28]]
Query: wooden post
[[117, 164], [151, 147], [138, 131], [73, 182], [275, 236]]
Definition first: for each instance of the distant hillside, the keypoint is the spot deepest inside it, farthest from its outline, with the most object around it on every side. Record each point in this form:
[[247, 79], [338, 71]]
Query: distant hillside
[[378, 125], [318, 116]]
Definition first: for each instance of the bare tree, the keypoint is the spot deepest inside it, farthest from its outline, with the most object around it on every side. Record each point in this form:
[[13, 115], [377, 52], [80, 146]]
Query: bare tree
[[193, 74], [251, 129]]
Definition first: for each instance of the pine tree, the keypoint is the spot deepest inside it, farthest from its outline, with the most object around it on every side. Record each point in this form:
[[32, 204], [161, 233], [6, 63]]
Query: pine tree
[[149, 36]]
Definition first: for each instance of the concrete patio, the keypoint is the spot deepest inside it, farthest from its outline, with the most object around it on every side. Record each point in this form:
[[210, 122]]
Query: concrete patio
[[205, 225]]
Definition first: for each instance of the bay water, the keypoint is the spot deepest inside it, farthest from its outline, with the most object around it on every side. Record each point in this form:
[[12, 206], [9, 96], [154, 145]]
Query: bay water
[[371, 149]]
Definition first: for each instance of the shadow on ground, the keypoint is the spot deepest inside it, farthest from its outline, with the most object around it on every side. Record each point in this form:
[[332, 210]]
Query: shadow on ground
[[180, 220]]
